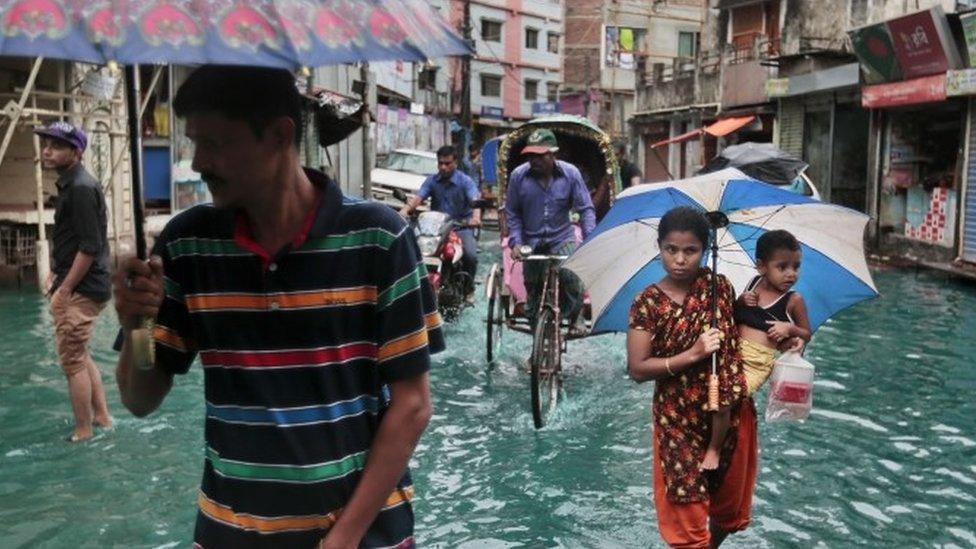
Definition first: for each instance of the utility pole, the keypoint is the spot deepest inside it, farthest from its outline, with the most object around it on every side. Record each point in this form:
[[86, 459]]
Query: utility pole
[[368, 94], [466, 70]]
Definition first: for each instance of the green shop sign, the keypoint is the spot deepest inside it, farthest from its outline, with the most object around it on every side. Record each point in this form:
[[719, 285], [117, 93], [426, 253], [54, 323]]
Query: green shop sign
[[969, 30], [876, 52]]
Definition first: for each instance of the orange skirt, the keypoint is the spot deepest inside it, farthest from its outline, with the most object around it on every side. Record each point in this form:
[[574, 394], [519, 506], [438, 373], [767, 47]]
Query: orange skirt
[[685, 525]]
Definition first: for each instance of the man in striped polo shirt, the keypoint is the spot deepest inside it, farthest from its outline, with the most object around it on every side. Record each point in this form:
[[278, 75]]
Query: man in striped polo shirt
[[314, 322]]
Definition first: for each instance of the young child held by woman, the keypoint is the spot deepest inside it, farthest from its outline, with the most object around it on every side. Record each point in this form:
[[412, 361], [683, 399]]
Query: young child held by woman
[[770, 317]]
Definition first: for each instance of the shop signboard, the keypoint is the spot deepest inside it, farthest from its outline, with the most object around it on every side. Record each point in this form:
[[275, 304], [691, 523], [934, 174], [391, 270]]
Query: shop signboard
[[492, 112], [926, 89], [777, 87], [969, 31], [544, 107], [876, 52], [915, 45], [961, 82], [924, 44]]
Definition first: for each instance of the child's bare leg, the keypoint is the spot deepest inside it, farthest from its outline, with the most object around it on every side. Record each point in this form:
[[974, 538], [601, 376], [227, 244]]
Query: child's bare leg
[[720, 426]]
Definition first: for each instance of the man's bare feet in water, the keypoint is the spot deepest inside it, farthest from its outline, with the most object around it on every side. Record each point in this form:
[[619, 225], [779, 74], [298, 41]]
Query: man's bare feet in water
[[710, 461]]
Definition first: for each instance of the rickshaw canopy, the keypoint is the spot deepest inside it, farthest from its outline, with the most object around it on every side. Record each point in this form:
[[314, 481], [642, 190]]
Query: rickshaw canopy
[[581, 143]]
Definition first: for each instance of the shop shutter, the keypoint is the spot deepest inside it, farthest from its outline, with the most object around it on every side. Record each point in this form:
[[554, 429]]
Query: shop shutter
[[969, 215], [791, 126]]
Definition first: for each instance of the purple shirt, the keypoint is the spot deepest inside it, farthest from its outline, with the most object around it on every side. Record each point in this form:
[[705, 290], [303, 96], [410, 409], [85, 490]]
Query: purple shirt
[[536, 214]]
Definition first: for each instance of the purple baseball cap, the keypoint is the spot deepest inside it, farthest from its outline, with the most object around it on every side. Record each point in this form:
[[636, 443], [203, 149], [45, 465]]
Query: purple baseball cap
[[65, 132]]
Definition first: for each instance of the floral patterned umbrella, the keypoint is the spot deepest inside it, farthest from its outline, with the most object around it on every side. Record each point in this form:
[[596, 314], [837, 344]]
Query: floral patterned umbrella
[[270, 33]]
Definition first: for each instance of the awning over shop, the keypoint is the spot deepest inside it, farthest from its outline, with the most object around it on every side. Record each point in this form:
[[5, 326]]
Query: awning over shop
[[728, 125], [383, 91], [718, 129], [678, 138]]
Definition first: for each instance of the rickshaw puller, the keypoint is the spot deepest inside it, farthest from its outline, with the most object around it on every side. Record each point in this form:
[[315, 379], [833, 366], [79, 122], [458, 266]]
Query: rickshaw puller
[[540, 196]]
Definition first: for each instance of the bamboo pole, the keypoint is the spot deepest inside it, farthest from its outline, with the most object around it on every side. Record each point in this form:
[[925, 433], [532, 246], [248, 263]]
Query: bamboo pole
[[157, 71], [43, 252], [20, 107]]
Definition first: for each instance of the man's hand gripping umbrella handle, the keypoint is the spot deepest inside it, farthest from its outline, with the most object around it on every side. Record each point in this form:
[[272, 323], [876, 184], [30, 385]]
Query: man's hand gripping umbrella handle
[[138, 302]]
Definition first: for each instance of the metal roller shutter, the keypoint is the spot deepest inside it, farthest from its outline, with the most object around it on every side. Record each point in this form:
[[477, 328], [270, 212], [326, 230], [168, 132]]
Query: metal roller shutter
[[969, 207]]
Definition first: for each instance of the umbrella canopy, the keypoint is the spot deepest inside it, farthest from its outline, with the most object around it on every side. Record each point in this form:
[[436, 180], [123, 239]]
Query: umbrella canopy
[[620, 258], [269, 33], [285, 34], [762, 161]]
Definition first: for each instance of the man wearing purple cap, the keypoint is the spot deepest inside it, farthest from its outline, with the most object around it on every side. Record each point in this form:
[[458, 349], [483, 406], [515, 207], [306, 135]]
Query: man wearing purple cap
[[80, 284]]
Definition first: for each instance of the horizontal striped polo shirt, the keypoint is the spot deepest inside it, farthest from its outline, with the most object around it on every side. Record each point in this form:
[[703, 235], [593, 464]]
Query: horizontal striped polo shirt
[[298, 351]]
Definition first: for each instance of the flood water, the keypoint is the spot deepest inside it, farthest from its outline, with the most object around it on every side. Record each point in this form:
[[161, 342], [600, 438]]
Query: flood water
[[888, 457]]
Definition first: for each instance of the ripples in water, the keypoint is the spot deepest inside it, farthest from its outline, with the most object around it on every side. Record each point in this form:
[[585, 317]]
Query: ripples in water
[[887, 459]]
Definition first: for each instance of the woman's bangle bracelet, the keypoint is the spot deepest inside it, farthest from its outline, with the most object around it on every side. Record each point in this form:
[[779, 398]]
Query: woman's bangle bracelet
[[667, 366]]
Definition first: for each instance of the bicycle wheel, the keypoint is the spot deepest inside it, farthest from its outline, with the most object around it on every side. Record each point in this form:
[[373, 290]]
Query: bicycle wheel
[[545, 367], [494, 319]]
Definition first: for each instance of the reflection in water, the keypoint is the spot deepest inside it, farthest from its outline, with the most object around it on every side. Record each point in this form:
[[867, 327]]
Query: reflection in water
[[886, 458]]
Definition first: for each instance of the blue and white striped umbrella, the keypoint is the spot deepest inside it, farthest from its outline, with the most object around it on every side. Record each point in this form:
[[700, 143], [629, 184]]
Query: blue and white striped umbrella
[[621, 257]]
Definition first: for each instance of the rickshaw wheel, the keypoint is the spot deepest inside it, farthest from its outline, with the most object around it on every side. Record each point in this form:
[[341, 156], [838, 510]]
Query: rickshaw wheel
[[544, 367], [495, 320]]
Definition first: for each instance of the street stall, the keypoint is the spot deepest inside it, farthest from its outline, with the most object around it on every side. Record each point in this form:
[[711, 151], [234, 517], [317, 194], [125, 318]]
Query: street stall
[[917, 129], [921, 167]]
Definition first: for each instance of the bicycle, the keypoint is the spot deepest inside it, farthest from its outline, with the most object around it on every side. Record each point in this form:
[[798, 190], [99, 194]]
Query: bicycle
[[548, 343]]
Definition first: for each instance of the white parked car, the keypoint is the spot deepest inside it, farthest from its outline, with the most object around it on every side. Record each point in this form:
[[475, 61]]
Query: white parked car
[[403, 170]]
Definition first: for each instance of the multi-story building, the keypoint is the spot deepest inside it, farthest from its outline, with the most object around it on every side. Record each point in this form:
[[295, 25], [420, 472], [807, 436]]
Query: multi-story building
[[678, 90], [875, 95], [606, 43], [516, 71], [413, 108]]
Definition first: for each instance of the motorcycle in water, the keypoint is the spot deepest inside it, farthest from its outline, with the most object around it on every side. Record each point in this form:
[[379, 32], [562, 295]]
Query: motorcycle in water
[[441, 250]]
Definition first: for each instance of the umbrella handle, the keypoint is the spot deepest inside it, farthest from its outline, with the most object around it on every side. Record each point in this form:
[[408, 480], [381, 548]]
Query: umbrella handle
[[143, 345], [713, 393]]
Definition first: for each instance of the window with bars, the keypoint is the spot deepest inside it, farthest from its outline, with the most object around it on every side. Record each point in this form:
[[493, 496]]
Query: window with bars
[[491, 31], [491, 85], [427, 78], [552, 92], [687, 44], [531, 90], [552, 44], [531, 39]]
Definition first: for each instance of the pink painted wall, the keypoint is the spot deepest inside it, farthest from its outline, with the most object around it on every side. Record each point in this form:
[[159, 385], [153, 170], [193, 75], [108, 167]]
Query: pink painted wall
[[512, 83]]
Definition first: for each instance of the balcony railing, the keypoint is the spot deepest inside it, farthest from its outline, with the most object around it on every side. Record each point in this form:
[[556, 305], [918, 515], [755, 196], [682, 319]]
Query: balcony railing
[[705, 63], [752, 46]]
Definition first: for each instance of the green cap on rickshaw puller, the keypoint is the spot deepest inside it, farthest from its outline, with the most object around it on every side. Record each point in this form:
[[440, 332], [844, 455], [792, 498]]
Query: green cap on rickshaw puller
[[541, 141]]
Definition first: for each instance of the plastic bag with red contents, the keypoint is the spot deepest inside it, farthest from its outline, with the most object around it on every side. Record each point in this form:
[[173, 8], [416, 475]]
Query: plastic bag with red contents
[[790, 389]]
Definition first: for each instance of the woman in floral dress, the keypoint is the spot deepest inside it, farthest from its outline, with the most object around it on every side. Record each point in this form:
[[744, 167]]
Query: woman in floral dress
[[670, 342]]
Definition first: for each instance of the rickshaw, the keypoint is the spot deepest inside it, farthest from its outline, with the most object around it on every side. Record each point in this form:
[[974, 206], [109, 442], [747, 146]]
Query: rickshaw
[[586, 146], [488, 160]]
